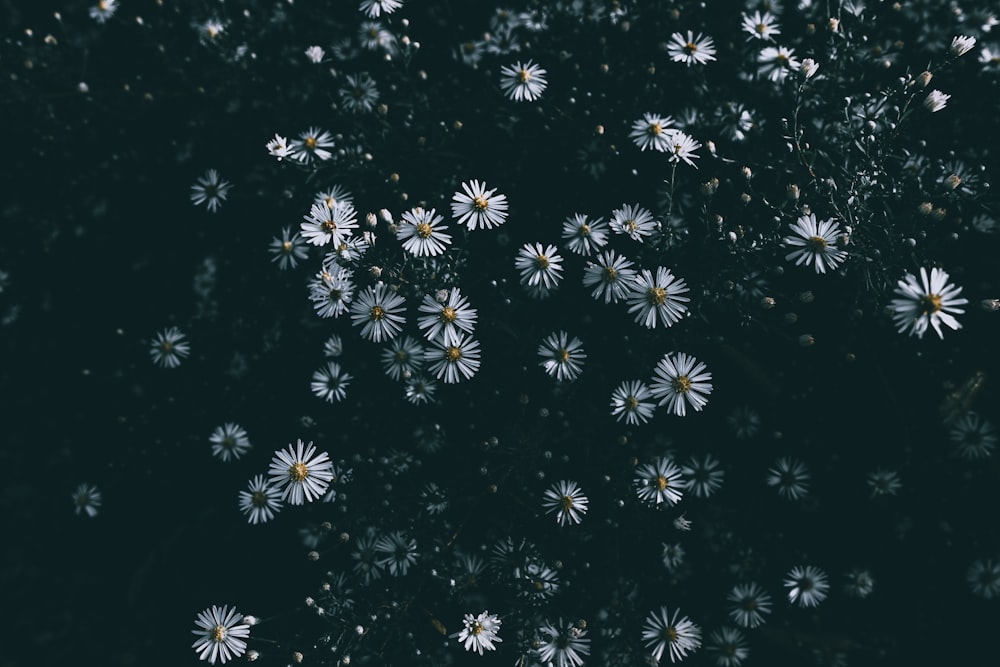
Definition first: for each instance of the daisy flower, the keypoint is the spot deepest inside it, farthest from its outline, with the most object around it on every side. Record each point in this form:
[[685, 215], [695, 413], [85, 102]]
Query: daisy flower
[[420, 390], [859, 584], [479, 208], [329, 383], [360, 94], [682, 147], [704, 475], [973, 437], [169, 347], [672, 556], [279, 147], [421, 233], [86, 500], [932, 301], [728, 646], [815, 243], [700, 49], [562, 358], [396, 552], [630, 400], [229, 441], [657, 299], [749, 604], [791, 477], [633, 221], [375, 8], [775, 62], [261, 501], [312, 144], [611, 276], [301, 474], [523, 82], [884, 483], [652, 131], [983, 576], [480, 632], [210, 190], [332, 291], [333, 346], [962, 44], [681, 380], [674, 634], [220, 635], [448, 314], [807, 586], [103, 10], [289, 250], [403, 357], [936, 100], [584, 236], [329, 226], [377, 311], [562, 645], [567, 501], [373, 37], [540, 267], [761, 26], [659, 482], [455, 361]]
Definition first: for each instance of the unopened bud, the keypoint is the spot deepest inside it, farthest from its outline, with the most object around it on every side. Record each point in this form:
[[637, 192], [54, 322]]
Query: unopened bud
[[809, 68], [924, 79], [925, 208], [768, 302], [297, 658], [805, 340], [792, 192], [952, 181], [371, 220], [990, 305], [807, 297]]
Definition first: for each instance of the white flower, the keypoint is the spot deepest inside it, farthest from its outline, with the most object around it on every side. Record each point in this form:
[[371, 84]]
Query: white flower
[[333, 196], [962, 44], [584, 236], [288, 250], [540, 267], [329, 383], [791, 477], [809, 68], [420, 390], [315, 54], [657, 299], [375, 8], [611, 276], [169, 347], [455, 361], [672, 556], [815, 243], [229, 441], [87, 500], [103, 10], [562, 645], [682, 147], [377, 310], [728, 646], [633, 221], [681, 380], [562, 358], [930, 302], [750, 603], [261, 501], [220, 635], [210, 190], [652, 131], [775, 62], [700, 49], [936, 100], [332, 291], [807, 586], [329, 226], [761, 26], [567, 501], [313, 143], [704, 475], [360, 94], [477, 207], [421, 233], [396, 553], [523, 82], [629, 400], [300, 473], [659, 482], [279, 147], [480, 632], [663, 632], [403, 357], [446, 317]]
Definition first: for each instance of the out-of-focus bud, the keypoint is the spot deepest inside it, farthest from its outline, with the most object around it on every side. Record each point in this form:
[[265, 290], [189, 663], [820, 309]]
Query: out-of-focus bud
[[809, 68], [768, 302], [925, 208], [990, 305], [792, 192], [924, 79], [806, 340]]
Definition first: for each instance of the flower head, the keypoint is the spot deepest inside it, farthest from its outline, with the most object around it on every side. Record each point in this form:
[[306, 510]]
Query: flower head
[[278, 147], [807, 586], [422, 233], [221, 635], [479, 208], [562, 644], [312, 144], [652, 131], [455, 361], [330, 383], [377, 310], [562, 358], [659, 482], [375, 8], [567, 501], [761, 26], [210, 190], [480, 632], [791, 477], [229, 441], [815, 243], [523, 82], [86, 500], [169, 347], [300, 473], [611, 276], [288, 250], [775, 62], [103, 10], [261, 501], [931, 301], [446, 318], [674, 634], [540, 267], [691, 49], [657, 299], [749, 604], [633, 221], [360, 94], [329, 225], [631, 402], [936, 100], [962, 44], [681, 380], [584, 236]]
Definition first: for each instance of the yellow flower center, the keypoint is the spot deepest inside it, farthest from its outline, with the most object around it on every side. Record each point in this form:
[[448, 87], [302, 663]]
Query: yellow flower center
[[609, 274], [816, 243], [524, 76], [566, 502], [681, 385], [453, 353], [690, 47], [481, 203], [377, 312], [661, 483], [542, 261], [564, 355], [782, 59], [632, 403], [219, 633], [286, 246], [584, 230], [423, 230], [310, 142], [298, 471], [670, 634], [930, 304], [654, 129], [476, 628], [761, 28], [259, 499], [657, 296], [448, 314]]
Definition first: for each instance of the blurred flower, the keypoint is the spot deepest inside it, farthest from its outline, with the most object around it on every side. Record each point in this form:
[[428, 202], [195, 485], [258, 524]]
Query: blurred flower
[[360, 94], [477, 207], [562, 358], [659, 482], [657, 299], [612, 275], [288, 250], [672, 556], [333, 196], [220, 635], [480, 632], [261, 502], [103, 10], [775, 62], [300, 473], [630, 400], [403, 357], [396, 553], [567, 501], [229, 441], [665, 633], [984, 578], [962, 44], [332, 291], [728, 646], [333, 347], [420, 390], [679, 380], [312, 144], [700, 49], [936, 100], [809, 68], [883, 483], [455, 361], [377, 310], [807, 586], [210, 190], [652, 131], [859, 583], [446, 319], [278, 147], [815, 243], [373, 37], [929, 302], [973, 437], [584, 236], [87, 500], [523, 82], [329, 383], [704, 477], [169, 347], [562, 645], [761, 26], [744, 421], [375, 8], [315, 54], [750, 603], [791, 477]]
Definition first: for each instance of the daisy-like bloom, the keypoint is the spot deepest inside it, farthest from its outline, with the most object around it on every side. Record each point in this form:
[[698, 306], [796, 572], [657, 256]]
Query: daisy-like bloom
[[775, 62], [403, 357], [261, 501], [365, 556], [480, 632], [279, 147], [540, 267], [523, 82], [313, 144], [479, 208], [420, 390], [674, 634], [333, 347], [103, 10], [936, 100], [540, 581], [631, 402], [962, 44], [377, 311], [421, 233], [672, 556], [455, 361], [744, 421], [333, 196], [657, 299], [396, 552], [360, 94], [373, 36], [86, 500], [973, 437], [815, 243], [883, 483], [330, 383], [690, 50], [611, 276], [704, 475], [221, 634], [375, 8], [761, 26], [791, 477], [682, 147], [300, 473], [447, 316], [329, 226], [633, 221], [169, 347], [562, 358], [583, 235], [229, 441], [288, 250], [567, 501], [332, 291], [652, 131], [859, 583], [680, 380], [210, 190], [983, 577], [315, 54], [989, 56], [807, 586], [749, 604], [728, 646], [931, 301], [659, 482], [562, 644]]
